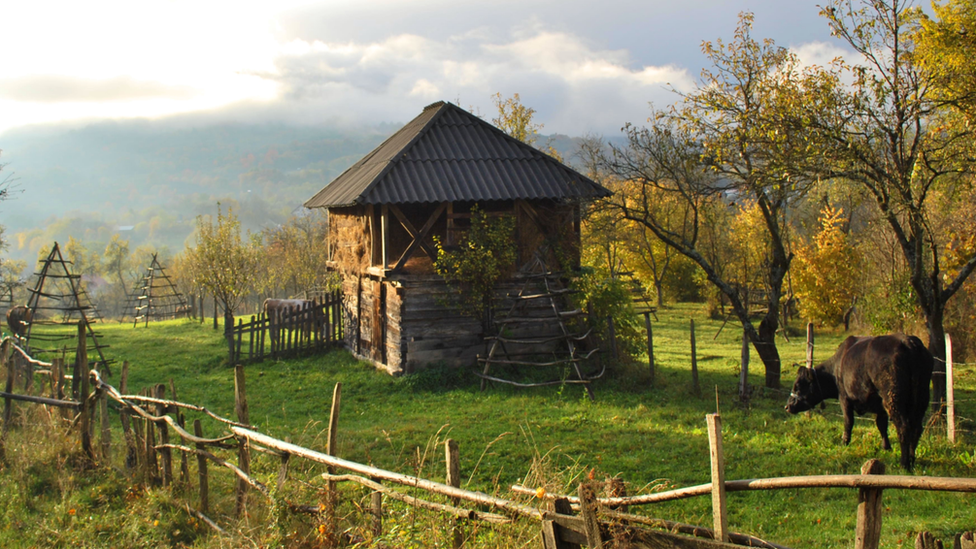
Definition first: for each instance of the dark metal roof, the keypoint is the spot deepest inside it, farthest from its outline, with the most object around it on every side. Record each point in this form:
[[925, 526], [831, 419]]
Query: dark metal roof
[[447, 155]]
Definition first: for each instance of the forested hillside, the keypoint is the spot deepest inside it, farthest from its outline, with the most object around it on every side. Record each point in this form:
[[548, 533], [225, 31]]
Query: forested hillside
[[97, 180]]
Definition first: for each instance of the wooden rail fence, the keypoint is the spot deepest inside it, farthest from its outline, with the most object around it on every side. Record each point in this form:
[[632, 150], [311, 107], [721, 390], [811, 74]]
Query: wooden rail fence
[[314, 327], [150, 421]]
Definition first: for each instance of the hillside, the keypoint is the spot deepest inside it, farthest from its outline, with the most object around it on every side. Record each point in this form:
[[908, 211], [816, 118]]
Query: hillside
[[149, 180]]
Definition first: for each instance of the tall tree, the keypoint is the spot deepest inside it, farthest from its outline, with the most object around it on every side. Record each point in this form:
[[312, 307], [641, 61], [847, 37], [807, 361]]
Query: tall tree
[[515, 119], [888, 134], [224, 262], [732, 139]]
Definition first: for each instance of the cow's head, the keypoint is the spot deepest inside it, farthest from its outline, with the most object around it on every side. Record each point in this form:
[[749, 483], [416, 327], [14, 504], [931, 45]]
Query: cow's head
[[806, 392]]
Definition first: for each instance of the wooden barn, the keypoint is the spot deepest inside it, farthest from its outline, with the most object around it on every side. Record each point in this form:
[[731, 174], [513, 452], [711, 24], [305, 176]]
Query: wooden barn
[[421, 182]]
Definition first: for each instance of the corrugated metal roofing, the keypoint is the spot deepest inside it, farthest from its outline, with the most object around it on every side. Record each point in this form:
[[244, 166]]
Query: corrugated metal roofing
[[447, 155]]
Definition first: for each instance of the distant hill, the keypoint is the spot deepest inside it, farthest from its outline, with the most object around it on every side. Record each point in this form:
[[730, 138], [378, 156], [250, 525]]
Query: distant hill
[[149, 180]]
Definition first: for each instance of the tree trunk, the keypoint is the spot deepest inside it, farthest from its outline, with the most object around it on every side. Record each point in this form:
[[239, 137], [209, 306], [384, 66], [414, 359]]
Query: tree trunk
[[934, 319], [766, 349], [659, 287]]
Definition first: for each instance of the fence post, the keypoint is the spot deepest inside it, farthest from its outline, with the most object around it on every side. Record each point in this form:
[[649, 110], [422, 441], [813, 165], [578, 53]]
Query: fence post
[[591, 525], [332, 501], [181, 421], [950, 393], [283, 471], [650, 345], [696, 388], [250, 338], [81, 366], [8, 363], [453, 460], [809, 344], [720, 517], [202, 470], [551, 531], [243, 457], [166, 455], [744, 369], [376, 509], [131, 460], [106, 431], [868, 533]]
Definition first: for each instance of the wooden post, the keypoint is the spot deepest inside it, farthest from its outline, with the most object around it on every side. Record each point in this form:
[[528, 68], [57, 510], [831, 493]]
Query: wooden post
[[81, 366], [8, 362], [744, 371], [650, 345], [809, 344], [720, 517], [131, 460], [868, 533], [696, 388], [376, 509], [453, 461], [332, 496], [243, 456], [152, 463], [202, 470], [950, 393], [106, 431], [591, 525], [552, 532], [925, 540], [165, 454], [282, 471], [965, 540], [181, 421], [76, 370]]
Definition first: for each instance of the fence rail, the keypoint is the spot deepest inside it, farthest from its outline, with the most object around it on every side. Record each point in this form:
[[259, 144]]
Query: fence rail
[[310, 328]]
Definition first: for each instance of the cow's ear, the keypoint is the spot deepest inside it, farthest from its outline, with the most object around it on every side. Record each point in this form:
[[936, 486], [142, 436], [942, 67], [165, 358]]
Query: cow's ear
[[801, 370]]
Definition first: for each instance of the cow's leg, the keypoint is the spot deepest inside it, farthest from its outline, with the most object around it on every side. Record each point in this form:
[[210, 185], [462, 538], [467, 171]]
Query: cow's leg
[[848, 410], [882, 422]]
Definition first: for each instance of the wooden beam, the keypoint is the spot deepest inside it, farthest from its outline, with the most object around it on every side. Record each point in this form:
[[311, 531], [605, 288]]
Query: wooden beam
[[412, 231], [384, 234], [421, 235]]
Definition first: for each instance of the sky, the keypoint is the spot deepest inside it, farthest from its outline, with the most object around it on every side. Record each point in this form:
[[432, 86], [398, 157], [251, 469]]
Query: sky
[[586, 67]]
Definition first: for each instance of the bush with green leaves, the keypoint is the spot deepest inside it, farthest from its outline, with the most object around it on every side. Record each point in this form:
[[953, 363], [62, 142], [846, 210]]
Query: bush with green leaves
[[485, 254]]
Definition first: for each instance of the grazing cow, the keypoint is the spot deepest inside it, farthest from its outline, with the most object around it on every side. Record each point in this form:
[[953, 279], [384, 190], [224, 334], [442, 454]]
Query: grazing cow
[[18, 318], [279, 310], [887, 375]]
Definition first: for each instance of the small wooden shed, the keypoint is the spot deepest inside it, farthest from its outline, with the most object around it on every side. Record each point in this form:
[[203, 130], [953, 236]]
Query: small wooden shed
[[423, 181]]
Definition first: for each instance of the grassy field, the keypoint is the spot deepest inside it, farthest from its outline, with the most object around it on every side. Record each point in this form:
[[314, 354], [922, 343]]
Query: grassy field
[[649, 437]]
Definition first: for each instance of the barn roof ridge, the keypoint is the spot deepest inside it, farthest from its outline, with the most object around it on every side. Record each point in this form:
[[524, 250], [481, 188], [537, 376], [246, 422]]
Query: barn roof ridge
[[448, 154]]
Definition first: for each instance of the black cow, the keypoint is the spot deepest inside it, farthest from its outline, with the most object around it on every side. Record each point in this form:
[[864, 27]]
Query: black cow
[[887, 375]]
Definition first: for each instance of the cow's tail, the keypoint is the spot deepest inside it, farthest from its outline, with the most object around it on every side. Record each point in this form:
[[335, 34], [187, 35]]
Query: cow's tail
[[922, 364]]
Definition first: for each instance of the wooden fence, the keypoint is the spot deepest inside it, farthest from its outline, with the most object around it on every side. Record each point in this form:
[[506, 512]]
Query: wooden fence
[[315, 326], [150, 421]]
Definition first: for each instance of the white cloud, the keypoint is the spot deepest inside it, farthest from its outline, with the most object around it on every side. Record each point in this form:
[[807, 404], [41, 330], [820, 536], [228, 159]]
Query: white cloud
[[574, 86], [820, 53]]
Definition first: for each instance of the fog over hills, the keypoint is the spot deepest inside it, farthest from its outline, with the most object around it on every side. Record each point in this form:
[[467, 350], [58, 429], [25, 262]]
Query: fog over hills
[[149, 180]]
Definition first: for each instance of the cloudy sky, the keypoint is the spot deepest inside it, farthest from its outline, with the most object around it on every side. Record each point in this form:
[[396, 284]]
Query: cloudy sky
[[585, 66]]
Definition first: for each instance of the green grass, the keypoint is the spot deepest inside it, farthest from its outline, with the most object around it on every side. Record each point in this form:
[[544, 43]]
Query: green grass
[[645, 436]]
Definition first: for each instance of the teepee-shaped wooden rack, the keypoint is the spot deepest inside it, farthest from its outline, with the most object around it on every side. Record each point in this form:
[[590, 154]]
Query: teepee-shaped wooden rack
[[540, 333], [58, 298], [158, 298]]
